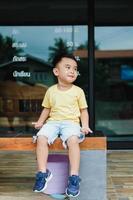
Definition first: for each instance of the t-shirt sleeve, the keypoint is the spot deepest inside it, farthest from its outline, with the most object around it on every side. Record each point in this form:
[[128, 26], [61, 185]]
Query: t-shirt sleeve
[[46, 100], [82, 100]]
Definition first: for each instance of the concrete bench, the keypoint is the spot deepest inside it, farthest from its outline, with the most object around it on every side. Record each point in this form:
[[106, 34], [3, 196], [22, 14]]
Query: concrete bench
[[92, 166]]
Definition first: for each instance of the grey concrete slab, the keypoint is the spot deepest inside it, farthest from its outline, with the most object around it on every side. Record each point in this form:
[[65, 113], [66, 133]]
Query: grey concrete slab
[[93, 174]]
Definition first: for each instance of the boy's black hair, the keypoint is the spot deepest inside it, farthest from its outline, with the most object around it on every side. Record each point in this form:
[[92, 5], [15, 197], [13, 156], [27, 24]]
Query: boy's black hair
[[58, 58]]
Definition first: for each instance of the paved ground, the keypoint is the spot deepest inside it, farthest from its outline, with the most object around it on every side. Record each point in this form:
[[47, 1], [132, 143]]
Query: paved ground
[[16, 182]]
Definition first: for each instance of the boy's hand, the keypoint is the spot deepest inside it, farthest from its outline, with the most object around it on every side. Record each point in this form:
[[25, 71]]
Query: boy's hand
[[86, 130], [37, 125]]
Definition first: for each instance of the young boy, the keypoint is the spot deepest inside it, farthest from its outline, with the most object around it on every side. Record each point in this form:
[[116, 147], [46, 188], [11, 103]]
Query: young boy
[[65, 108]]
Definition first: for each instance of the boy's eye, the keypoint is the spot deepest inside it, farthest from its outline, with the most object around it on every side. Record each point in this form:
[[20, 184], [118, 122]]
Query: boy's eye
[[69, 67]]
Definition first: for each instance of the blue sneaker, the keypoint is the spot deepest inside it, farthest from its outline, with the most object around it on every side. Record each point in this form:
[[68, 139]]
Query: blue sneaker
[[73, 186], [41, 181]]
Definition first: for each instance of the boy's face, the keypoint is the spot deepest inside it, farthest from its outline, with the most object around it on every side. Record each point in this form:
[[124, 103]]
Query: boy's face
[[66, 70]]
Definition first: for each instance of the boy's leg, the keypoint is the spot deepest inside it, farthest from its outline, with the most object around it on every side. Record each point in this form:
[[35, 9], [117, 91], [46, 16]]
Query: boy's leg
[[70, 134], [42, 153], [43, 175], [74, 154], [46, 135], [74, 158]]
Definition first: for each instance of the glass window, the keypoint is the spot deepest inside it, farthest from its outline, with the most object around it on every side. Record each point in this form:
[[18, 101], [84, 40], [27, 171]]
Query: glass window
[[114, 81], [26, 53]]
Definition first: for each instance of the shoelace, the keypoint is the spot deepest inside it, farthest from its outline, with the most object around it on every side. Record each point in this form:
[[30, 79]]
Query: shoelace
[[41, 177], [74, 180]]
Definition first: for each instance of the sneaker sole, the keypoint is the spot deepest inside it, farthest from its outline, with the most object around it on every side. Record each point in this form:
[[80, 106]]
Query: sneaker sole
[[70, 195], [47, 180]]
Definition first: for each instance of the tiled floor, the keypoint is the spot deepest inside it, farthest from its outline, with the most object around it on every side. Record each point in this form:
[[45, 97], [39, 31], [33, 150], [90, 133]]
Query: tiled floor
[[120, 175], [17, 171]]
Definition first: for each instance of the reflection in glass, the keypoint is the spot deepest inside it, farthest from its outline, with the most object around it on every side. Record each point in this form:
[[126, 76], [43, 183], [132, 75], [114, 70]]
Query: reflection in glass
[[26, 70], [114, 81]]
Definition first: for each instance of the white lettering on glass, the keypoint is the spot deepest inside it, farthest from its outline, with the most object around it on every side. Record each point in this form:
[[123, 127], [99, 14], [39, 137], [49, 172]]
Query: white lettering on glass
[[21, 74]]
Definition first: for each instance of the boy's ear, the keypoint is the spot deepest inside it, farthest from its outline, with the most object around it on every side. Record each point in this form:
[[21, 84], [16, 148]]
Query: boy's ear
[[55, 71]]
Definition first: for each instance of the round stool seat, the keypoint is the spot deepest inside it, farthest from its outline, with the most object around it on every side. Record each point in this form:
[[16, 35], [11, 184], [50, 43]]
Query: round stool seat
[[58, 164]]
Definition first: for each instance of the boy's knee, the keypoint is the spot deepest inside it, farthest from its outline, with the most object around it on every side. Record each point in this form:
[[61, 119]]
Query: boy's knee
[[42, 140], [72, 140]]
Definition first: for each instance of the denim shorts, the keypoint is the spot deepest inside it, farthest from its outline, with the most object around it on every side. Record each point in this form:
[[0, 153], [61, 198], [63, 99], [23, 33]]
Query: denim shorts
[[62, 129]]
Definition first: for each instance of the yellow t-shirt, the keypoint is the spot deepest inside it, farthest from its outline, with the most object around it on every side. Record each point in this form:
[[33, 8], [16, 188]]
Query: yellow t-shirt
[[65, 105]]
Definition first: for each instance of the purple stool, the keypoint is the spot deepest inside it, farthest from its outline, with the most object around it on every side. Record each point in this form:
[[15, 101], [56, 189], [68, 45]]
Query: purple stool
[[58, 164]]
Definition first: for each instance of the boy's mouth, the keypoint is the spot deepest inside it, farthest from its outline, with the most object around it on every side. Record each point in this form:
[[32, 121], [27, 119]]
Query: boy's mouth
[[71, 76]]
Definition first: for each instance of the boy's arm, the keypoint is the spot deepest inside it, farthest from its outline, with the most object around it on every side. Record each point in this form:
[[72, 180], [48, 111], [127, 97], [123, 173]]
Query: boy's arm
[[44, 115], [84, 117]]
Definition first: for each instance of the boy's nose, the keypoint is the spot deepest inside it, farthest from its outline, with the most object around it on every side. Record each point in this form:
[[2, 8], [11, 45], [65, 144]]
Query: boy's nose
[[72, 71]]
